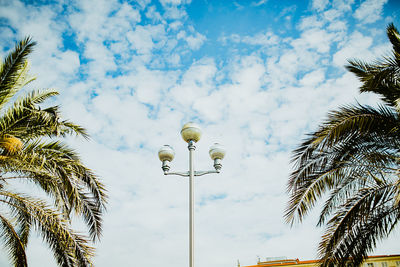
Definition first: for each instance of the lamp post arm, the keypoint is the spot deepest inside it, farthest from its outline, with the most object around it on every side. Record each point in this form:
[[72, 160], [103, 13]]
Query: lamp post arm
[[184, 174], [201, 173], [196, 173]]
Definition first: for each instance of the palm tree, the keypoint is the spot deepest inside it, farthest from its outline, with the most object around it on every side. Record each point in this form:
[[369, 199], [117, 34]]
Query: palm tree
[[354, 158], [31, 150]]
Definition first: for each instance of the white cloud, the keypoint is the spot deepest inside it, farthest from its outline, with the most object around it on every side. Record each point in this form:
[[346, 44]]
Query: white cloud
[[314, 39], [127, 15], [338, 26], [259, 3], [194, 41], [143, 3], [266, 39], [310, 22], [196, 82], [313, 78], [91, 21], [153, 14], [150, 85], [320, 4], [175, 2], [343, 5], [132, 79], [145, 38], [370, 11], [332, 14], [357, 44], [175, 25], [174, 12]]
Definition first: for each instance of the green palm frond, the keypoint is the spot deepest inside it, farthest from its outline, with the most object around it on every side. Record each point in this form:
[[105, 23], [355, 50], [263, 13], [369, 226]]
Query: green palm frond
[[58, 171], [16, 248], [350, 135], [359, 223], [394, 38], [31, 150], [353, 158], [26, 120], [382, 76], [364, 163], [92, 214], [13, 70], [356, 120], [69, 249]]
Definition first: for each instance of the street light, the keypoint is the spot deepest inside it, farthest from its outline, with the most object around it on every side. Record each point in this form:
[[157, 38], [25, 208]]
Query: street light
[[191, 133]]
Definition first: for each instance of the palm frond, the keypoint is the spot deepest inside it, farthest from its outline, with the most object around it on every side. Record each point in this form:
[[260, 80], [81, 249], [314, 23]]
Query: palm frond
[[25, 120], [394, 37], [346, 144], [357, 225], [30, 150], [353, 158], [382, 76], [69, 249], [355, 120], [16, 248], [13, 70], [58, 171]]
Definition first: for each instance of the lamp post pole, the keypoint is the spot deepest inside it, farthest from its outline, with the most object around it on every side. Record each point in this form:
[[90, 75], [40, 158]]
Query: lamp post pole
[[191, 133], [191, 148]]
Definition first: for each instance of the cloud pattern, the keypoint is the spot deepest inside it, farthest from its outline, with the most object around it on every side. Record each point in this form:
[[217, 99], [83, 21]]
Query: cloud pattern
[[134, 72]]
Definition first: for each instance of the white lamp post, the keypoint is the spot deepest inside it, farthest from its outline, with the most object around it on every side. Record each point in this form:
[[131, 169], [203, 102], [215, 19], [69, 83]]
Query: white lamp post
[[191, 133]]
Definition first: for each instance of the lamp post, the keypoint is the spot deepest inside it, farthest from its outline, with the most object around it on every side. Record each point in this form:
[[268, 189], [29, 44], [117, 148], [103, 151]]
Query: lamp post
[[191, 133]]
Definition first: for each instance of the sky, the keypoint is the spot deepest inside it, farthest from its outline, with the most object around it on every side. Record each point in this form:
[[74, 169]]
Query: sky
[[257, 76]]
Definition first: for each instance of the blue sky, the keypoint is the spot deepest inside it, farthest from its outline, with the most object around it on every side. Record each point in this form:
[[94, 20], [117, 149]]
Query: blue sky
[[256, 75]]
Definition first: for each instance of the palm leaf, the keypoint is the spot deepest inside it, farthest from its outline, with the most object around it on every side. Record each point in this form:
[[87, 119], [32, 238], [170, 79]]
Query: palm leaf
[[354, 158], [25, 120], [353, 230], [59, 172], [16, 248], [12, 70], [68, 247], [382, 76], [30, 150]]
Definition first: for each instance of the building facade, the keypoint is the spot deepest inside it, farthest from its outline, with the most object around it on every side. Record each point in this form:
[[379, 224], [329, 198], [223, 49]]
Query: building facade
[[372, 261]]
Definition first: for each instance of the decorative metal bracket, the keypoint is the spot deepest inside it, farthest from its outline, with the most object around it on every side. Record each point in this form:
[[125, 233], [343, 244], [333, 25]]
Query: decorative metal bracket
[[196, 173]]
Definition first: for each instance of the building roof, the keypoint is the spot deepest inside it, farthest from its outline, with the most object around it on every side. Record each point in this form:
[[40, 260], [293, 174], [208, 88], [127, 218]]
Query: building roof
[[287, 262]]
